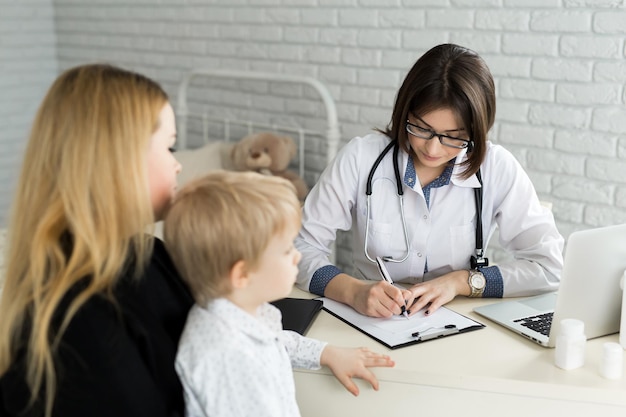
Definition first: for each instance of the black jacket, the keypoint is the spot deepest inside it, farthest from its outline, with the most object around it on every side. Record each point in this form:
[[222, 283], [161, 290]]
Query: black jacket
[[116, 359]]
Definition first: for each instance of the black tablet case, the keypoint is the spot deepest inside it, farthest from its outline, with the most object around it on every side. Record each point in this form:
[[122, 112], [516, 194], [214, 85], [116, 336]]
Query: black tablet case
[[298, 313]]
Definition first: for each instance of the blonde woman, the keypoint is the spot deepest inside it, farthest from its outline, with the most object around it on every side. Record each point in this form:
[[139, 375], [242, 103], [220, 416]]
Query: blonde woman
[[92, 307]]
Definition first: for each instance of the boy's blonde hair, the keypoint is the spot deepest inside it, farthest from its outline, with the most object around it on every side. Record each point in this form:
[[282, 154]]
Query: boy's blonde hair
[[223, 218]]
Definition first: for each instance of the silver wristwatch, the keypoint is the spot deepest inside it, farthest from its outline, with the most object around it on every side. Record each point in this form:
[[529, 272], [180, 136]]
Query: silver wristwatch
[[476, 282]]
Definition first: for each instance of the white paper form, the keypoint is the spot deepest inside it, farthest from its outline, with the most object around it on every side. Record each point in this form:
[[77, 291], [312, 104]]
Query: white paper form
[[397, 331]]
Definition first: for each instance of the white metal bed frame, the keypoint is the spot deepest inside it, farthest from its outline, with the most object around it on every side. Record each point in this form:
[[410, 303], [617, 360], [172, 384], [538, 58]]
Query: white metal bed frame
[[332, 134]]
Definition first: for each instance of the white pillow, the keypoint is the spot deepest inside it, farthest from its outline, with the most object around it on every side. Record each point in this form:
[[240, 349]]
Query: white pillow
[[210, 157], [197, 162]]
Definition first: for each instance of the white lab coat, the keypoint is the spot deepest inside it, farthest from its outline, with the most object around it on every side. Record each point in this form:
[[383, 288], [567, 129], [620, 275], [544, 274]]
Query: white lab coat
[[442, 235]]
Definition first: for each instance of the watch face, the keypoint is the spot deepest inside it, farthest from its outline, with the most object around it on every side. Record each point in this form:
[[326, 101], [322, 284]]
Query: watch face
[[478, 281]]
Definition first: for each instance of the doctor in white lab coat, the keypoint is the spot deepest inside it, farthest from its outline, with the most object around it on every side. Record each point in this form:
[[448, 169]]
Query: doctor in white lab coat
[[441, 118]]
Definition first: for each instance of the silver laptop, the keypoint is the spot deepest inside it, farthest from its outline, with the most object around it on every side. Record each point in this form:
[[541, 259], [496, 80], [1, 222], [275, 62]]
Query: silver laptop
[[595, 261]]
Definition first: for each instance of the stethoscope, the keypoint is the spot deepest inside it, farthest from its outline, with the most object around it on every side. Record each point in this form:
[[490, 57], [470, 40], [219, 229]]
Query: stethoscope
[[476, 261]]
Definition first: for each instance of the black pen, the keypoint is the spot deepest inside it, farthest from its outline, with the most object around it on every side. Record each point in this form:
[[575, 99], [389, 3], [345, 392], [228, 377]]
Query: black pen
[[385, 274], [446, 330]]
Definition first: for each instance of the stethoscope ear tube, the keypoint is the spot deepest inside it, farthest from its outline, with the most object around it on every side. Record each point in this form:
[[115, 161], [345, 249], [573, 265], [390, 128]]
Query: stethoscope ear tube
[[396, 169], [479, 260], [370, 177], [368, 192]]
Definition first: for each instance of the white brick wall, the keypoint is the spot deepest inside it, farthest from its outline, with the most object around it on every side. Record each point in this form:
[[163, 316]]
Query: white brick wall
[[27, 67], [558, 64]]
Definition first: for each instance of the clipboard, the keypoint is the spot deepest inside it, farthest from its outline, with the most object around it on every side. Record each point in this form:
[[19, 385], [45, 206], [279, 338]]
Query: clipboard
[[398, 331]]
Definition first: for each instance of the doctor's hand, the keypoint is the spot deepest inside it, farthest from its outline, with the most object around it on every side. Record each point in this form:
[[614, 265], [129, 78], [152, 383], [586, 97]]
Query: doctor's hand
[[347, 363], [370, 298], [437, 292]]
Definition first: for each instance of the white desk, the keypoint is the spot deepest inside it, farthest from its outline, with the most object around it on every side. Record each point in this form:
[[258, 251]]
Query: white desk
[[487, 372]]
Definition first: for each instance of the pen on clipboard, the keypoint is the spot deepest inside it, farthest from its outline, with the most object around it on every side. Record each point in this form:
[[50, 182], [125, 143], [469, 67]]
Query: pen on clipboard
[[385, 274], [446, 330]]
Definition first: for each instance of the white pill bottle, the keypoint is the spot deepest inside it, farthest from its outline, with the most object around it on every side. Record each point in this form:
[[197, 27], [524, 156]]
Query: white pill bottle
[[569, 350]]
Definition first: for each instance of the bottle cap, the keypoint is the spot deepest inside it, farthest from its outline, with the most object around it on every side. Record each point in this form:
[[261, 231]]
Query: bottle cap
[[572, 327], [612, 362]]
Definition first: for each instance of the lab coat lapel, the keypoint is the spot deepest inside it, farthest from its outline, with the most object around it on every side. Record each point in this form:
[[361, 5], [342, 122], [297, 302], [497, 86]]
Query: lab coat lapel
[[471, 182], [416, 186]]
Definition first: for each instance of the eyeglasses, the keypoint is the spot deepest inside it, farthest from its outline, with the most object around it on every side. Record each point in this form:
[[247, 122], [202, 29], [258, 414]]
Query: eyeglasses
[[425, 133]]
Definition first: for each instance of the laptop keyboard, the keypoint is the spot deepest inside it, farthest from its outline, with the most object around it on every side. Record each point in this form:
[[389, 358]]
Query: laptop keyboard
[[540, 323]]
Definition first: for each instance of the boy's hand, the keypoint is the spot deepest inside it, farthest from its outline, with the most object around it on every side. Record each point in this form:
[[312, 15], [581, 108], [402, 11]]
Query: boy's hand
[[346, 363]]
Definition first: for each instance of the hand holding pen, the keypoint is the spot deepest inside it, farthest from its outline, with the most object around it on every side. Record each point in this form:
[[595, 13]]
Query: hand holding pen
[[385, 275]]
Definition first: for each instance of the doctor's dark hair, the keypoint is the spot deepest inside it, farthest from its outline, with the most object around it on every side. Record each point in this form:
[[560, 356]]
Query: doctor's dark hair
[[451, 77]]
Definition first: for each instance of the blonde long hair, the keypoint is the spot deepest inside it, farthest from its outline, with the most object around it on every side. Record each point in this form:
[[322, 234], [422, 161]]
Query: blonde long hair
[[81, 207]]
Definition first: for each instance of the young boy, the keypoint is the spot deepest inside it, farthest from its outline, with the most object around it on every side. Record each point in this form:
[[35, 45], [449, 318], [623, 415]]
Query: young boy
[[231, 237]]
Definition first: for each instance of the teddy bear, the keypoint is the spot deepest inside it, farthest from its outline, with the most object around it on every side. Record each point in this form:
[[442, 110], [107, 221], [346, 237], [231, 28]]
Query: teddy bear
[[269, 154], [266, 152]]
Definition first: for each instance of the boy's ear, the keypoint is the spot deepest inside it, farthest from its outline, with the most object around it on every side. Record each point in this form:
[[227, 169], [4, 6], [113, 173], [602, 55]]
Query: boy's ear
[[239, 275]]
